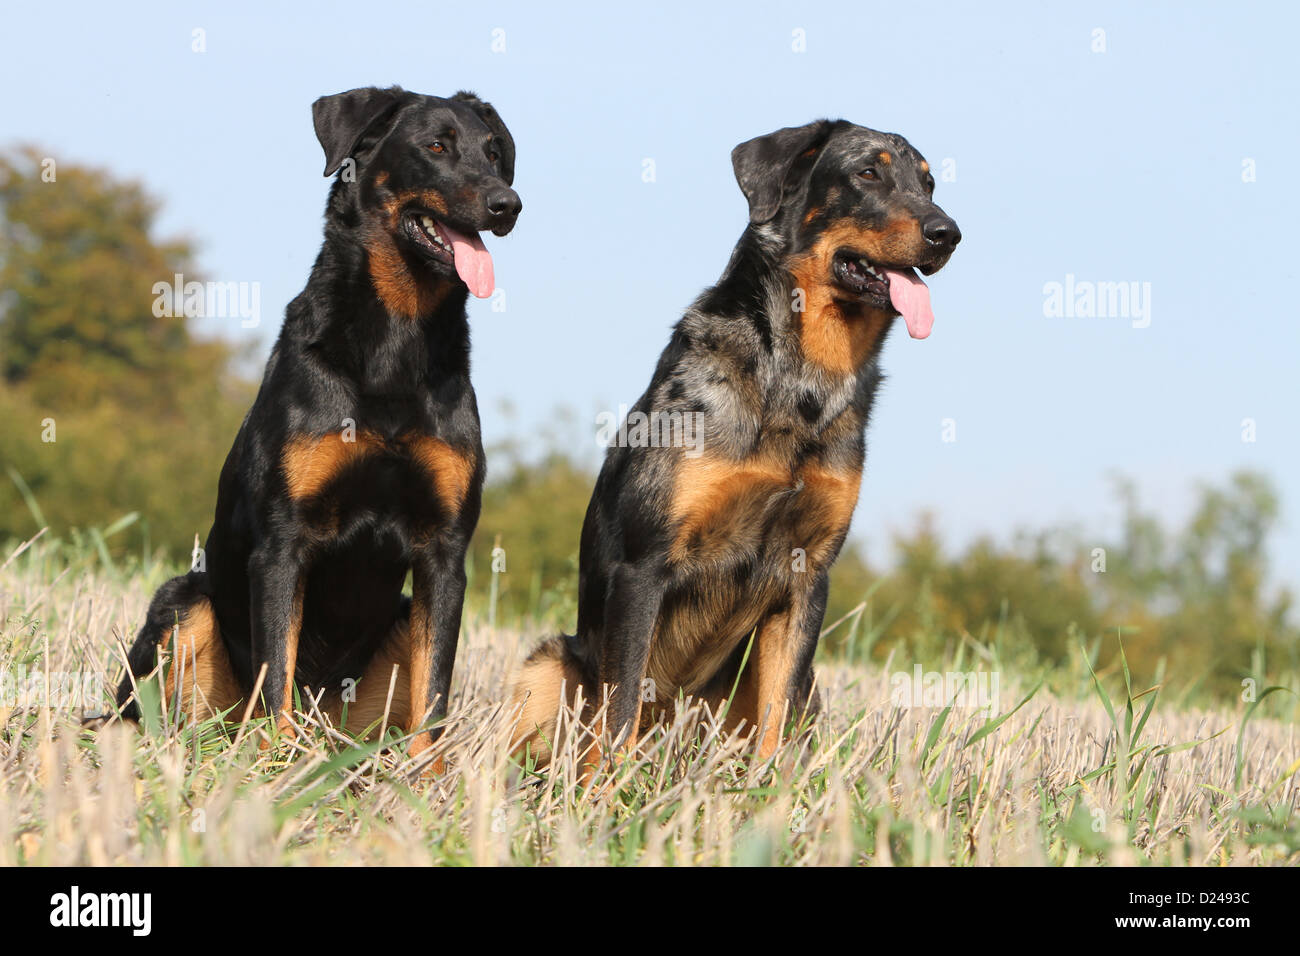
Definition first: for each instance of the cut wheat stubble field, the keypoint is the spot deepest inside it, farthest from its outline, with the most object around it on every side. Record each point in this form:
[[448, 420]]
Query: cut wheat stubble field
[[1106, 776]]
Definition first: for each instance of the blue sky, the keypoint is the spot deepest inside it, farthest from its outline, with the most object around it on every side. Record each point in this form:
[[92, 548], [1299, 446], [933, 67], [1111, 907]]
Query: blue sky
[[1116, 166]]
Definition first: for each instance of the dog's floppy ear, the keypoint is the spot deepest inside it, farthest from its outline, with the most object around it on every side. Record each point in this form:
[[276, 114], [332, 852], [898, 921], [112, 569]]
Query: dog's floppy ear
[[493, 122], [343, 119], [763, 164]]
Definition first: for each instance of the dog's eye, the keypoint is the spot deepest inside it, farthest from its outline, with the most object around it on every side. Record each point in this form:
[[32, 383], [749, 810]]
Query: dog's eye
[[492, 156], [437, 147], [869, 173]]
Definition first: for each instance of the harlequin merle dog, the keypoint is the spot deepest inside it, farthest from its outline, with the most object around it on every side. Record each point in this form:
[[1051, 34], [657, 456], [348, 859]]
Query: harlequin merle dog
[[704, 570]]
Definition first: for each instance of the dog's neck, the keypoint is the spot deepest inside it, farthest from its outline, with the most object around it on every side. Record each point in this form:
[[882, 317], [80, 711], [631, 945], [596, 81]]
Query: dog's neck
[[790, 301], [381, 348]]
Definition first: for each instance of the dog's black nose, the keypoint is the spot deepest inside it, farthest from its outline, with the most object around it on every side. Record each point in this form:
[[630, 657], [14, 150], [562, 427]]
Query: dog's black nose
[[941, 231], [504, 202]]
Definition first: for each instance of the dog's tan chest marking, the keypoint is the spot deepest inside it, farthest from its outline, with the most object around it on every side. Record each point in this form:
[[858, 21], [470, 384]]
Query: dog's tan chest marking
[[720, 506], [450, 469], [789, 520], [312, 464], [717, 501]]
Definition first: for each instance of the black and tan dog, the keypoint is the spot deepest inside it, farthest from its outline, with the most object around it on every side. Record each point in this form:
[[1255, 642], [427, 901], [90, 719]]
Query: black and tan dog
[[687, 552], [361, 458]]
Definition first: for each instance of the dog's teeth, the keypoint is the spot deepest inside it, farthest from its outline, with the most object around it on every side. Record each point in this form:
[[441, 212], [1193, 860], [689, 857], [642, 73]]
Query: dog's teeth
[[431, 232]]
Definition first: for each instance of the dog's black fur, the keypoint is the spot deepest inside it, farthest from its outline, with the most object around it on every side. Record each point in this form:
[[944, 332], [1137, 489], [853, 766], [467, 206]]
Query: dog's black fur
[[684, 556], [360, 458]]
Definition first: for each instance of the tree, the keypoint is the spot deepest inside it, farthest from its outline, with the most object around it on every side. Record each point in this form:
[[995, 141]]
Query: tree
[[106, 407]]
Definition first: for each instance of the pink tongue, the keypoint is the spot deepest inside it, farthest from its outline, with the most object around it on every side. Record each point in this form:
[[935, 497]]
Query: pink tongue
[[473, 261], [911, 297]]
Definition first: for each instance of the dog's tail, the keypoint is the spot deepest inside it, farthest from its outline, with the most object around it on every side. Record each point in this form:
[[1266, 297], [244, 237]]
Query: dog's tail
[[552, 675], [200, 662]]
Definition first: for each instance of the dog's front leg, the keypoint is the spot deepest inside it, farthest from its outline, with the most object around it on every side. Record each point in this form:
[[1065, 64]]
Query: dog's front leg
[[783, 656], [276, 592], [438, 595], [631, 611]]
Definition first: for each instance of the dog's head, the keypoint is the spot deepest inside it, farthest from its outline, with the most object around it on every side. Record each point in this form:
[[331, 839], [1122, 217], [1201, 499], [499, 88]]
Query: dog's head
[[431, 174], [853, 208]]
